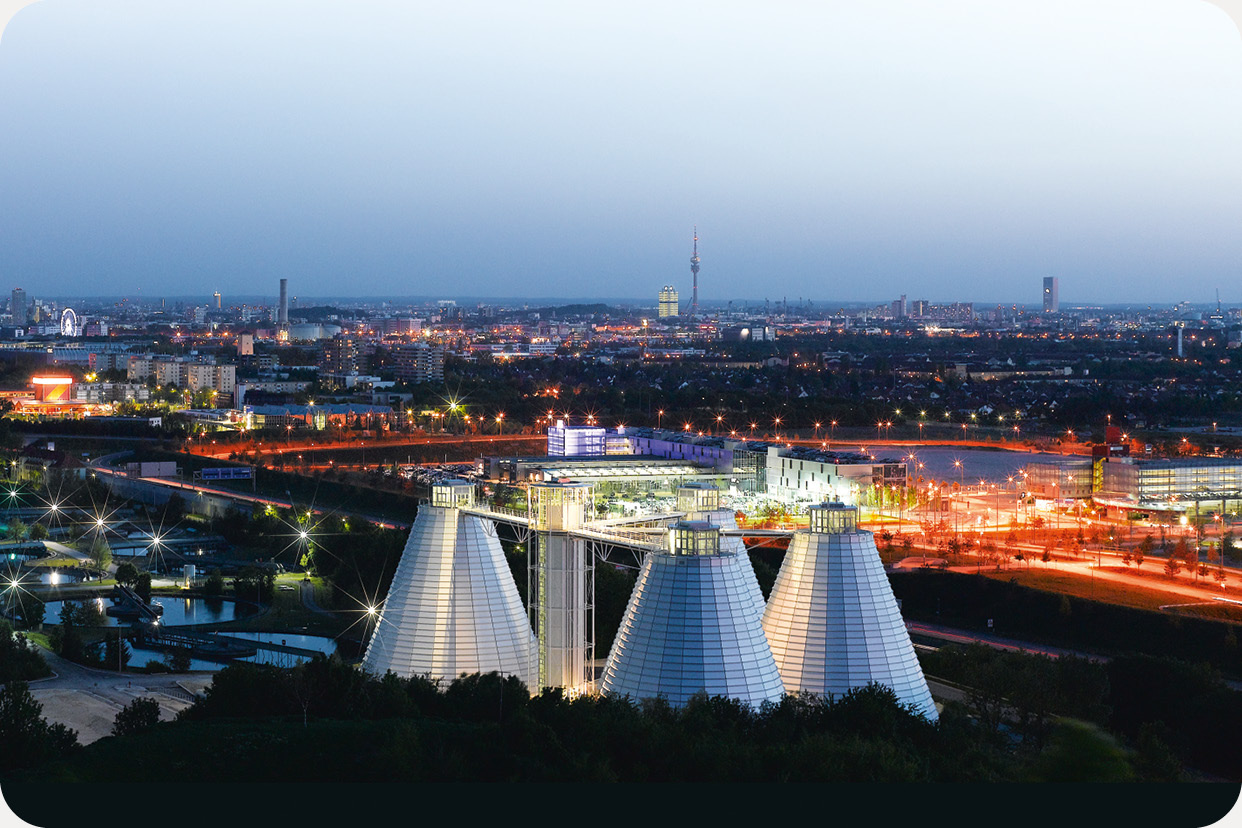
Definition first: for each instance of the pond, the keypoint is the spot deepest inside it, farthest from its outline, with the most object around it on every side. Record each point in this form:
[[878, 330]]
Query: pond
[[177, 611], [140, 656]]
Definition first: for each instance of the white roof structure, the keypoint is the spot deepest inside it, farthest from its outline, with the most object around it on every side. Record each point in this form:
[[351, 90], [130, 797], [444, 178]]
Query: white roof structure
[[691, 627], [832, 621], [453, 607]]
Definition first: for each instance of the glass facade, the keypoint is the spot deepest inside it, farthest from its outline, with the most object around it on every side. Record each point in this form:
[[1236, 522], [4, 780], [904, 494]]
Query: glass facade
[[833, 518], [1175, 480]]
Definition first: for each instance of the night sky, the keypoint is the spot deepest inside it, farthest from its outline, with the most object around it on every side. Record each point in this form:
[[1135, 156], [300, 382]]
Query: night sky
[[948, 150]]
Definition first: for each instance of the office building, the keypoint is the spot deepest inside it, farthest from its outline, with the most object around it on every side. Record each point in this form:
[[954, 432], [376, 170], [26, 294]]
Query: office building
[[1052, 301], [668, 302], [17, 306], [419, 362]]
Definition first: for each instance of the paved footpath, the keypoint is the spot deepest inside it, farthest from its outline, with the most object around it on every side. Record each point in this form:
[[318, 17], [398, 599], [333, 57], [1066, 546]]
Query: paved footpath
[[87, 700]]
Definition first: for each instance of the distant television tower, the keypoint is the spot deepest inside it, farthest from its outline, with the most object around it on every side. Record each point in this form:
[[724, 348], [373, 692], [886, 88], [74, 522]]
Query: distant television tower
[[694, 269]]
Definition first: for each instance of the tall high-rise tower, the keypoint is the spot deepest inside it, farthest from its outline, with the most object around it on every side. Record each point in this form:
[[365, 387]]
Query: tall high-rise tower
[[1052, 302], [668, 302], [694, 269], [282, 312], [18, 306]]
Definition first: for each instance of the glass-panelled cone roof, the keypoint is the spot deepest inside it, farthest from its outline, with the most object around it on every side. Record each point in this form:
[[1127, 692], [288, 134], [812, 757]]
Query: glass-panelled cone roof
[[691, 626], [832, 620], [453, 607]]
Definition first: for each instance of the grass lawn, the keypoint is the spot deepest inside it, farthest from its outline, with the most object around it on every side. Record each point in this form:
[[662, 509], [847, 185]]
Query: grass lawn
[[57, 561], [1149, 596], [38, 638], [288, 613]]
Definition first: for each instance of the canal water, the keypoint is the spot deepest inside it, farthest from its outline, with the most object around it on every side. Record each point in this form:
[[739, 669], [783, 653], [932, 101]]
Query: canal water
[[939, 462]]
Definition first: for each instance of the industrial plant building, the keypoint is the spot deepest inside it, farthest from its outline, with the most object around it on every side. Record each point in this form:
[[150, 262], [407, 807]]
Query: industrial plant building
[[696, 622]]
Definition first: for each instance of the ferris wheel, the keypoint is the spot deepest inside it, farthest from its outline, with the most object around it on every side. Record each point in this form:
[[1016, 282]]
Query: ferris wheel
[[68, 323]]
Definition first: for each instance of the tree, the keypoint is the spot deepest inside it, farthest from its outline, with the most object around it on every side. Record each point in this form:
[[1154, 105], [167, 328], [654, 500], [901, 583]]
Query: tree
[[101, 554], [178, 660], [111, 659], [67, 638], [253, 584], [1228, 546], [33, 610], [1190, 557], [1172, 566], [126, 574], [174, 509], [39, 532], [213, 586], [138, 716], [142, 586], [19, 662], [28, 739], [17, 530]]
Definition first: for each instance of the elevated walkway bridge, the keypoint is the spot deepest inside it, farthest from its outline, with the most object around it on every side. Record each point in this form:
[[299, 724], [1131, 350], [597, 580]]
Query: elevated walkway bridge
[[637, 534]]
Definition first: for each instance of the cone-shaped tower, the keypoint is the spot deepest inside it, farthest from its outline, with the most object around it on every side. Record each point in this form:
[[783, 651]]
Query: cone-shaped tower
[[702, 502], [832, 621], [691, 627], [453, 607]]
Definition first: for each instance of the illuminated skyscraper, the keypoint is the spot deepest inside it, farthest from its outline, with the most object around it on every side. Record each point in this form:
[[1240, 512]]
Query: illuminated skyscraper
[[668, 302], [1052, 302]]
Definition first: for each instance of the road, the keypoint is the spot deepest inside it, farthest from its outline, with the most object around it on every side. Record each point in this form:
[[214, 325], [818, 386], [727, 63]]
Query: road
[[263, 500], [223, 452]]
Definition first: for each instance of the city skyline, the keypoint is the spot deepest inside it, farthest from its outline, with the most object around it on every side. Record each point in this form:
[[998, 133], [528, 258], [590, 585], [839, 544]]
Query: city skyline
[[398, 150]]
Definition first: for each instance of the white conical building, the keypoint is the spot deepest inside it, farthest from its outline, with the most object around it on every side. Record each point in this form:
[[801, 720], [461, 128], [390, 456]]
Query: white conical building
[[453, 607], [702, 502], [832, 620], [691, 627]]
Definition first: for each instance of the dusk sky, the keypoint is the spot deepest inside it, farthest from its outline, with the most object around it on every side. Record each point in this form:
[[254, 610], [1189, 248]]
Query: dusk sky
[[841, 152]]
